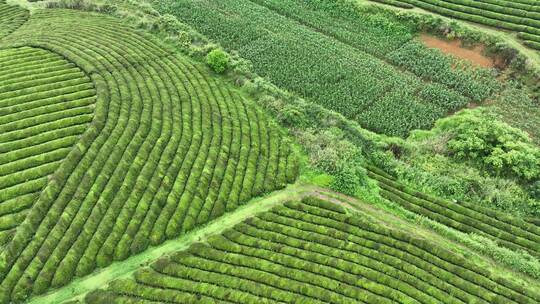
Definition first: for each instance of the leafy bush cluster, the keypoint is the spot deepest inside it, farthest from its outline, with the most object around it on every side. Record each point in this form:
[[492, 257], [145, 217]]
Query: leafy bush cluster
[[217, 60], [502, 149], [330, 152]]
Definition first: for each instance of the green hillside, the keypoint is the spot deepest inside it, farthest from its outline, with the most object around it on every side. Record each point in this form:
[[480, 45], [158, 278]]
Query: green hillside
[[168, 148], [315, 251], [269, 151]]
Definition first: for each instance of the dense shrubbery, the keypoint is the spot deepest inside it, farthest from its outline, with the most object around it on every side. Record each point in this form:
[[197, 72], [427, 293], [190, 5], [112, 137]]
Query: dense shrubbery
[[502, 149], [217, 60]]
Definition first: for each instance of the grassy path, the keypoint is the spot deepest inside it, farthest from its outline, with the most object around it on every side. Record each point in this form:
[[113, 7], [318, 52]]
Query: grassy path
[[79, 287]]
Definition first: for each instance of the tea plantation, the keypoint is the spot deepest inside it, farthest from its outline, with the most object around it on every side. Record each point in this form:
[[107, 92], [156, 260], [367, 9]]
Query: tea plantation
[[269, 151]]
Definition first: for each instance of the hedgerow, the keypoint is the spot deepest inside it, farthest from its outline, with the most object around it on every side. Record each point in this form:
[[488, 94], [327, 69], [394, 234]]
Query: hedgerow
[[168, 148], [315, 251]]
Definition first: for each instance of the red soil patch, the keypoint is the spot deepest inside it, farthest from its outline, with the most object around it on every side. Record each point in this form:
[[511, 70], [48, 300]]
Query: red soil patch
[[455, 48]]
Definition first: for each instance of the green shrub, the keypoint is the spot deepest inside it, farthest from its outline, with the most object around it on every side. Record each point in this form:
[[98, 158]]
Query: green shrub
[[217, 60], [348, 180], [504, 150]]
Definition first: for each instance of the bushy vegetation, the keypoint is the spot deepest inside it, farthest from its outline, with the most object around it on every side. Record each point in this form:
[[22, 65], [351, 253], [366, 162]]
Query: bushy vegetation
[[168, 149], [314, 251], [217, 60], [328, 53], [492, 144]]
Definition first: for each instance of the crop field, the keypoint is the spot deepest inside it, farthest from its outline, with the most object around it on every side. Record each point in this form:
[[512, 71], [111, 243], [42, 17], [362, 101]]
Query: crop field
[[522, 16], [46, 104], [313, 251], [161, 131], [267, 151], [506, 230], [373, 74], [11, 17]]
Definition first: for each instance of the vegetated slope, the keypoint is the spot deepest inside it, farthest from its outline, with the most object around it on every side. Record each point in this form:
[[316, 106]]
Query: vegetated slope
[[517, 16], [346, 61], [11, 17], [315, 251], [169, 148], [506, 230], [46, 102]]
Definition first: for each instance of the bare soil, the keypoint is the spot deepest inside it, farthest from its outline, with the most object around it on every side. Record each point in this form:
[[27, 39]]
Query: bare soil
[[456, 49]]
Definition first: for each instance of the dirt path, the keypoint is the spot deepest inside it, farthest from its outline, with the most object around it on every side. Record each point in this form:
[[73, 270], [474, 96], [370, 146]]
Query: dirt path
[[454, 48]]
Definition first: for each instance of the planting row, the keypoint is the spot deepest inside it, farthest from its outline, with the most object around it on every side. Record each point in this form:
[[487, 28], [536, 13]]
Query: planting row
[[510, 15], [347, 61], [11, 17], [314, 252], [169, 148], [45, 104], [466, 217]]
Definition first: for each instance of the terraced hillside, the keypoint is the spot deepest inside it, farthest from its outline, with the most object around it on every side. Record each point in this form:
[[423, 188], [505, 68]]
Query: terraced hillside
[[168, 148], [521, 16], [367, 68], [11, 17], [46, 103], [506, 230], [316, 251]]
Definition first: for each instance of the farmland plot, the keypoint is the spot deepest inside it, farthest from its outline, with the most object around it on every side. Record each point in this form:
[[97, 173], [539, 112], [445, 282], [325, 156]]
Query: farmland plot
[[314, 251], [167, 147], [46, 103], [522, 17], [349, 63]]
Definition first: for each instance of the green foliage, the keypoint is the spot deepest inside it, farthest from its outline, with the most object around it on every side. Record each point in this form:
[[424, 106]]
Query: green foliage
[[313, 251], [318, 56], [218, 60], [349, 180], [501, 148], [11, 17], [169, 148]]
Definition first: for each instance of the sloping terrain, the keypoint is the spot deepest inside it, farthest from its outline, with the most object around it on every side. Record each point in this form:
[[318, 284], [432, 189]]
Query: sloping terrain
[[168, 148], [367, 69], [522, 16], [46, 103], [317, 250], [131, 171]]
